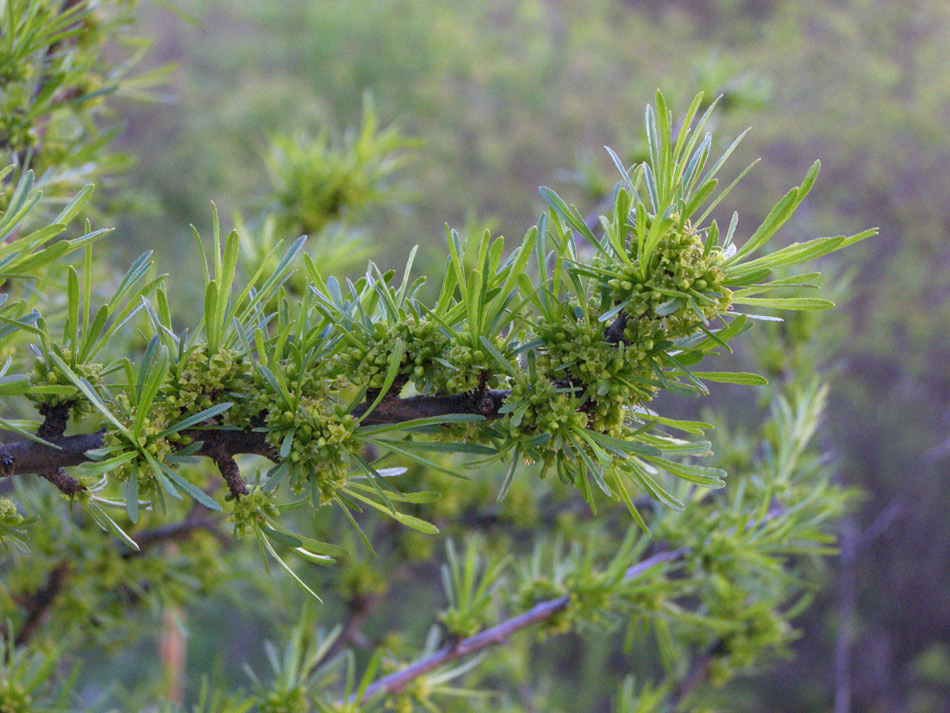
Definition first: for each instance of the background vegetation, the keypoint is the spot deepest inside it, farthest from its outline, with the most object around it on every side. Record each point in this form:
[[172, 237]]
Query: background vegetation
[[510, 95]]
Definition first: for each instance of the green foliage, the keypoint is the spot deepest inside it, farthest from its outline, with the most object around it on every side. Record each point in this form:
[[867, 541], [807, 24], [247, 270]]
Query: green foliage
[[54, 82], [324, 188], [580, 349], [542, 358], [317, 181], [470, 588], [26, 680], [10, 525]]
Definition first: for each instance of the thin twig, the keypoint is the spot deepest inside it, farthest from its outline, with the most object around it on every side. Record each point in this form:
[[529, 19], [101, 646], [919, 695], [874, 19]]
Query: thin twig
[[882, 523], [55, 420], [39, 602], [698, 671], [231, 474], [498, 634]]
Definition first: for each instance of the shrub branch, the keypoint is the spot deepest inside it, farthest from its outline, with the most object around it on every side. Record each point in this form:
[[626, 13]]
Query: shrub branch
[[500, 633], [396, 682], [31, 457]]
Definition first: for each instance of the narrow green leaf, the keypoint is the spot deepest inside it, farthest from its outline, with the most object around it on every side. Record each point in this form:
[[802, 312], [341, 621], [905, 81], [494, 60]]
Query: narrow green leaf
[[701, 475], [506, 365], [155, 377], [212, 328], [265, 543], [196, 418], [732, 377], [428, 496], [571, 215], [322, 548], [190, 489], [130, 489], [442, 447], [107, 523], [797, 253], [430, 421], [403, 519], [777, 217], [71, 328], [628, 183], [91, 395], [94, 332], [628, 502], [390, 446], [790, 303], [102, 467], [137, 270], [75, 205]]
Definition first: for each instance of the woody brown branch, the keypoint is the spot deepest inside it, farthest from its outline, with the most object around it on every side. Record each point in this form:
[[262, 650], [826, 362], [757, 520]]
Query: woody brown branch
[[55, 419], [31, 457], [221, 445]]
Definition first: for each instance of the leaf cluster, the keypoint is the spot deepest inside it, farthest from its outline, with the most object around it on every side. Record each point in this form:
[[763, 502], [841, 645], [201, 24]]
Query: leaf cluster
[[558, 368], [324, 401]]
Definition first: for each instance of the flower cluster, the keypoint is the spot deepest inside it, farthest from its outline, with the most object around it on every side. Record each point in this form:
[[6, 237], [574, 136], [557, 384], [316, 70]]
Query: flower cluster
[[14, 697], [322, 443], [147, 440], [470, 366], [200, 381], [537, 406], [256, 397], [424, 342], [680, 288], [46, 373], [9, 515], [249, 511], [576, 353]]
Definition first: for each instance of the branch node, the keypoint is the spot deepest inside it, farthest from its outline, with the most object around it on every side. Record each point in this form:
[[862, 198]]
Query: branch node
[[67, 484], [55, 418], [486, 404], [231, 474], [614, 333]]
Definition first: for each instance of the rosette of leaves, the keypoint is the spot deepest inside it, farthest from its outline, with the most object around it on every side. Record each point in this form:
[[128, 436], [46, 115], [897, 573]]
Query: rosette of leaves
[[318, 181], [380, 323]]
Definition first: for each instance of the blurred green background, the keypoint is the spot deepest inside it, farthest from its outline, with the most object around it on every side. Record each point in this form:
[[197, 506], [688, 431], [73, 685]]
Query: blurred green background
[[505, 96]]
